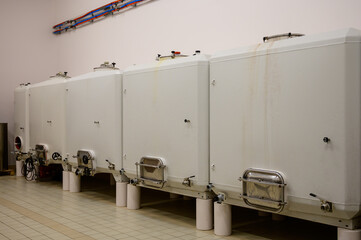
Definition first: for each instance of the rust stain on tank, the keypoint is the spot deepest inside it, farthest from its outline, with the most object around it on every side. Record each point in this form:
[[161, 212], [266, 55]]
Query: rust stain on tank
[[267, 98], [272, 90]]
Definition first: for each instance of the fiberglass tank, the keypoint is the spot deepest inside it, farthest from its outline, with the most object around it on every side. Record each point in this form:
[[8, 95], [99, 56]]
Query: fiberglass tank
[[21, 119], [94, 123], [285, 127], [165, 124], [47, 119]]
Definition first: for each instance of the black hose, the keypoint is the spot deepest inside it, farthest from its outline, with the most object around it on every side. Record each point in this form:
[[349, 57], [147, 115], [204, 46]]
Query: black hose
[[29, 171]]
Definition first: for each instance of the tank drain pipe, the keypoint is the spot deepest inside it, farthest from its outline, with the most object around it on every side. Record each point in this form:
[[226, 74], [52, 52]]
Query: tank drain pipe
[[326, 206]]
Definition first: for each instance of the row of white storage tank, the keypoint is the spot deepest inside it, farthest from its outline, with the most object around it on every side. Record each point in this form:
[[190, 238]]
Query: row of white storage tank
[[274, 127]]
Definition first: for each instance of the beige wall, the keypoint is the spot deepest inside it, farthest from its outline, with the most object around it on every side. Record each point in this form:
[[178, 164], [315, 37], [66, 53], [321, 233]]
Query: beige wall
[[30, 53], [27, 51], [160, 26]]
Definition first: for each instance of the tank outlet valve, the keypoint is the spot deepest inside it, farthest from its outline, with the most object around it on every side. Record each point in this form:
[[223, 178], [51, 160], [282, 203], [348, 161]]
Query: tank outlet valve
[[210, 186], [66, 165], [111, 165], [134, 181], [78, 172], [221, 197], [122, 171], [326, 206], [187, 181]]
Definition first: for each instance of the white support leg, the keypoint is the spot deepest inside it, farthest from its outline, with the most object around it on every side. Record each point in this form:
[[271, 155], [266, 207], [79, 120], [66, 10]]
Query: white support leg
[[19, 167], [133, 197], [278, 217], [222, 219], [204, 214], [66, 176], [347, 234], [111, 180], [74, 182], [121, 194]]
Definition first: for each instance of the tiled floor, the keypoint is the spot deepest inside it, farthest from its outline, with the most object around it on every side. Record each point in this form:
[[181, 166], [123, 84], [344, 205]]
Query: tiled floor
[[30, 210]]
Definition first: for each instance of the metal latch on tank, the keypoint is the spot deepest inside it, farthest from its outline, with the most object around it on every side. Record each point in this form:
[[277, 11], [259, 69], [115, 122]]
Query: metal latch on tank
[[187, 181], [326, 206]]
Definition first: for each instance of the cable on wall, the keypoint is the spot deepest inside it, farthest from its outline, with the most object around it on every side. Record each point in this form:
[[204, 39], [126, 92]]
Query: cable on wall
[[97, 14]]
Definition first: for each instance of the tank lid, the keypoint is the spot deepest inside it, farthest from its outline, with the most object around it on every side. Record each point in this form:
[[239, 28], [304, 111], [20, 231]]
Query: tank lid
[[106, 66], [61, 74]]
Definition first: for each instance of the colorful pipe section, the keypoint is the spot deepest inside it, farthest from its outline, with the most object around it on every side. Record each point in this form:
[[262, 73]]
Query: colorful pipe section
[[103, 11]]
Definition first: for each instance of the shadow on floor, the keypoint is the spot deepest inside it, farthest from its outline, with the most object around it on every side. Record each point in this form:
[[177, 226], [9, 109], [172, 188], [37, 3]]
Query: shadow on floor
[[243, 220]]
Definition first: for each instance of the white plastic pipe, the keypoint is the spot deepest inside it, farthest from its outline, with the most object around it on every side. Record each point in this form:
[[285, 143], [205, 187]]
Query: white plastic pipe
[[19, 167], [121, 194], [204, 214], [133, 197], [66, 180], [222, 219], [74, 182], [347, 234]]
